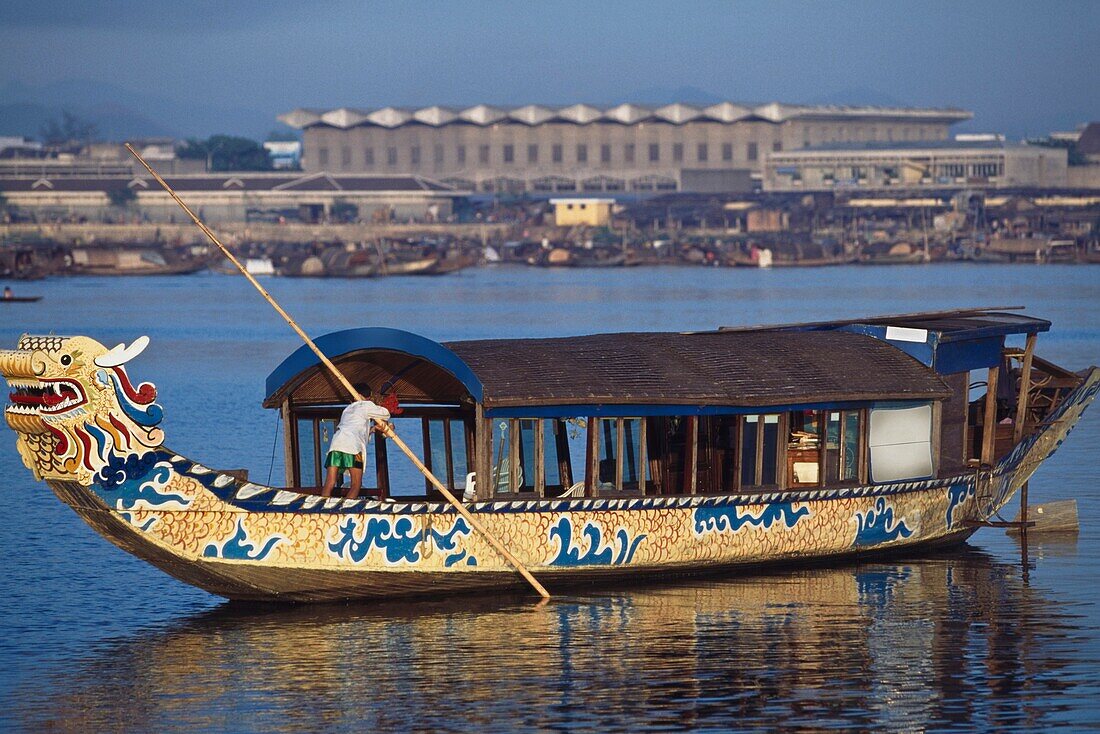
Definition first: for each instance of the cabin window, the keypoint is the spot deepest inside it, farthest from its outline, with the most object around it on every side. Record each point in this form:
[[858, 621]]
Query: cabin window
[[536, 456], [558, 465], [900, 443], [446, 452], [622, 466], [804, 448], [309, 468], [517, 468], [843, 429], [313, 437], [716, 454], [507, 474], [759, 450]]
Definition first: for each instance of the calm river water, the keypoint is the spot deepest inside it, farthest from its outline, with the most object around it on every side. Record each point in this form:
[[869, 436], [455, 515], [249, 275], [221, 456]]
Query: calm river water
[[95, 640]]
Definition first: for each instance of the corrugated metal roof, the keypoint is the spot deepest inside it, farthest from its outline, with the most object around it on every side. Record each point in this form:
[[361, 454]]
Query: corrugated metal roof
[[676, 113]]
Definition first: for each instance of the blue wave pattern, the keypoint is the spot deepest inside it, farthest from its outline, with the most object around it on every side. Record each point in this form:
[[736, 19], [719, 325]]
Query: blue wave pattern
[[956, 495], [133, 482], [731, 518], [878, 526], [121, 469], [597, 553], [238, 547], [397, 540], [457, 557]]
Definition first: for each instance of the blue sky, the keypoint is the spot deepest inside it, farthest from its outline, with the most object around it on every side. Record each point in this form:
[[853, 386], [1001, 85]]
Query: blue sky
[[1023, 68]]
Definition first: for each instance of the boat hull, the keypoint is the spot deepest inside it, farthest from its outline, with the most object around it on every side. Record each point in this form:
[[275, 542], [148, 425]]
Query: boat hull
[[259, 581], [246, 541]]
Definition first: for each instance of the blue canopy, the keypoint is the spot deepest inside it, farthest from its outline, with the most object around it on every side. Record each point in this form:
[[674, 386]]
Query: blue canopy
[[339, 343]]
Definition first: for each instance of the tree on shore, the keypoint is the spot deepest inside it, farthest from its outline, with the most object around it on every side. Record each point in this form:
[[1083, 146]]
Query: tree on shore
[[227, 153], [69, 128], [121, 196]]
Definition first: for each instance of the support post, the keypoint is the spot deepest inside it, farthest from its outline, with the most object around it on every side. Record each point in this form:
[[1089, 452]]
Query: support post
[[1025, 389], [514, 456], [290, 442], [483, 455], [620, 452], [989, 420], [540, 457], [692, 463], [591, 462]]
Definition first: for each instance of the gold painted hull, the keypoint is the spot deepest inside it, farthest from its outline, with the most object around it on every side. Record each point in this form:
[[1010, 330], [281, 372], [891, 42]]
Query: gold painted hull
[[246, 541], [248, 581]]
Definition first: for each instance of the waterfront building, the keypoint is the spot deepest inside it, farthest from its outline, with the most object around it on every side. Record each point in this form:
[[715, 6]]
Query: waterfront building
[[947, 164], [234, 197], [94, 160], [628, 148], [588, 212]]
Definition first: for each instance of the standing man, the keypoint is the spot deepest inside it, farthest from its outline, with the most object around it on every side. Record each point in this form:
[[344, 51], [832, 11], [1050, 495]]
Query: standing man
[[349, 445]]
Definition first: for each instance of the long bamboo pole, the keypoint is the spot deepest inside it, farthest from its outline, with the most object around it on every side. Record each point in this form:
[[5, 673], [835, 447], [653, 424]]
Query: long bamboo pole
[[383, 426]]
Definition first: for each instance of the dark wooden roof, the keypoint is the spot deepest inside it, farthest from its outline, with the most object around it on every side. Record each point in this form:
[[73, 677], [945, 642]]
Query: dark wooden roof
[[717, 368]]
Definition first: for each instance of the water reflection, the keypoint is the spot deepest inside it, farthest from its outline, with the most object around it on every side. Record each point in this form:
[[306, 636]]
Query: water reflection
[[936, 643]]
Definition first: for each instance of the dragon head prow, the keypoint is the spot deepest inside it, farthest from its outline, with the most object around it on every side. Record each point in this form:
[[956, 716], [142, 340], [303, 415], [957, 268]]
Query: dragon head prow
[[74, 407]]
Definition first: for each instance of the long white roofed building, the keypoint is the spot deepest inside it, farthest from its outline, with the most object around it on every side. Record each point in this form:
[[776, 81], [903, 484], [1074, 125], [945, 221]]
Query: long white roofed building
[[582, 148]]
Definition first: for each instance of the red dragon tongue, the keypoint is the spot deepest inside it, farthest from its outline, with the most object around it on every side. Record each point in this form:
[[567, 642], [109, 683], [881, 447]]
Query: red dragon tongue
[[51, 399], [19, 398]]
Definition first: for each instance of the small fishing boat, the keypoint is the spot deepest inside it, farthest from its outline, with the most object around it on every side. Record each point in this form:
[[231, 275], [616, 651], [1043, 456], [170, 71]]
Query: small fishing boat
[[599, 458], [21, 299], [135, 260]]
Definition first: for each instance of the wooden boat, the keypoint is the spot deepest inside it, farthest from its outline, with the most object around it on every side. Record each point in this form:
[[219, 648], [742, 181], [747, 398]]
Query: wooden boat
[[21, 299], [594, 459], [412, 266], [449, 262], [738, 260], [129, 260]]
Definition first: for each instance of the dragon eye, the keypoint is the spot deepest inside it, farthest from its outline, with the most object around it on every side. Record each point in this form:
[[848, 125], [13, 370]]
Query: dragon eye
[[66, 360]]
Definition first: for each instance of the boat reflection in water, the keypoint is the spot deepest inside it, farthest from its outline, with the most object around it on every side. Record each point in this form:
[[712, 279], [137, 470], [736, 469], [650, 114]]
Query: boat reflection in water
[[907, 645]]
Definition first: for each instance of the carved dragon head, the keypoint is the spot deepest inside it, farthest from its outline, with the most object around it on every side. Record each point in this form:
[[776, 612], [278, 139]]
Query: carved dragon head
[[75, 410]]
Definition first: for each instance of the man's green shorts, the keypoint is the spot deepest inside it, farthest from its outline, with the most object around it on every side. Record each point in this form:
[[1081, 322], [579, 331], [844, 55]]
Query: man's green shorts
[[340, 460]]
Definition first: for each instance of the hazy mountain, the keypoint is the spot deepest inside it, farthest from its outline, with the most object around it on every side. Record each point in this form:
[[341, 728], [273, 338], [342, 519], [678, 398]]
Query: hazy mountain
[[853, 96], [120, 113], [668, 95], [859, 97]]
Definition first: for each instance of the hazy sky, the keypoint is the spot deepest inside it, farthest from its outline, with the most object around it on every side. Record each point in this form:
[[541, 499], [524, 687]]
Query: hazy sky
[[1024, 67]]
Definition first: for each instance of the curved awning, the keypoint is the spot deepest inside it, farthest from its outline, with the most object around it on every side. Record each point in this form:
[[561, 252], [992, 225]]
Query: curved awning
[[416, 367]]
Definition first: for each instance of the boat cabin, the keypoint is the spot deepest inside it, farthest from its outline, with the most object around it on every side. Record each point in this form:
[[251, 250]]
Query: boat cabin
[[745, 409]]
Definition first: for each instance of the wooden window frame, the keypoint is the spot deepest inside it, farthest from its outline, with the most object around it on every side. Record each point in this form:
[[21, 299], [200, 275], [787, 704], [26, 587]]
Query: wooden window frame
[[780, 458]]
